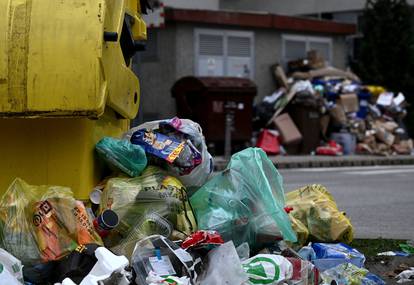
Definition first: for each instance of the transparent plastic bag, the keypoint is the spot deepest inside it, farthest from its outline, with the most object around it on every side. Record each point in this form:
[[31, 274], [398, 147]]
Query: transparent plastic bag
[[154, 191], [348, 273], [315, 207], [163, 257], [43, 223], [122, 155], [245, 202], [223, 267], [185, 129], [149, 224]]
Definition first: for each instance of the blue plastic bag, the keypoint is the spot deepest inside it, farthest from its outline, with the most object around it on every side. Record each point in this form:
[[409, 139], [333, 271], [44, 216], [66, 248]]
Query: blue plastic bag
[[329, 255], [122, 155], [372, 279], [245, 202]]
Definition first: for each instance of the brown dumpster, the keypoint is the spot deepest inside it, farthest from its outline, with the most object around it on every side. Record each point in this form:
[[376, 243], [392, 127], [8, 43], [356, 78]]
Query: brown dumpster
[[207, 100]]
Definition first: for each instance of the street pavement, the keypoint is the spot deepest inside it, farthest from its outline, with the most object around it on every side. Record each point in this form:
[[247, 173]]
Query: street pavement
[[378, 199]]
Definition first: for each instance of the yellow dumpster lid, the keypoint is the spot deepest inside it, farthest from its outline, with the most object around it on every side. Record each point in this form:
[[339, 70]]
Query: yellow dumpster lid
[[55, 62]]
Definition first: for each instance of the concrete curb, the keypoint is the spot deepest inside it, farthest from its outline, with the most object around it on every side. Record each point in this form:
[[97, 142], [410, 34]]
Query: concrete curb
[[284, 162]]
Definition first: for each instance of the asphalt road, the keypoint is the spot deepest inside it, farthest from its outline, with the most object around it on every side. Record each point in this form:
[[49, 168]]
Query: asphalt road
[[379, 200]]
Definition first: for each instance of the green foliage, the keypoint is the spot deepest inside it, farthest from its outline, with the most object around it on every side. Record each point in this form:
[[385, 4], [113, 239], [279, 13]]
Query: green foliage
[[370, 247], [387, 50]]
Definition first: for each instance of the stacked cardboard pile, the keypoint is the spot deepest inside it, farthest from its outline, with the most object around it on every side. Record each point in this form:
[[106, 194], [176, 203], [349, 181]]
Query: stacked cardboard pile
[[316, 104]]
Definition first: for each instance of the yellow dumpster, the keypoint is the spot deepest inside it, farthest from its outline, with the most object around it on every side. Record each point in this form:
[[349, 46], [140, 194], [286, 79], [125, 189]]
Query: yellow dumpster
[[65, 82]]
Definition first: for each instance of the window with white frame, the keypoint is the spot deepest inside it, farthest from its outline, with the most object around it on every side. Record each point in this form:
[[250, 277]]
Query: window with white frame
[[296, 47], [224, 53]]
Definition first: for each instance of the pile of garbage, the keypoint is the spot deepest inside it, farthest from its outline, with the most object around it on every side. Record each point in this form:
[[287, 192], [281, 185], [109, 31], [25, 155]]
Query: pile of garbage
[[327, 111], [161, 217]]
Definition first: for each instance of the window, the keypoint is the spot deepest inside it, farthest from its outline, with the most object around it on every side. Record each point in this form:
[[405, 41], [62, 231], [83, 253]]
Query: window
[[224, 53], [296, 47]]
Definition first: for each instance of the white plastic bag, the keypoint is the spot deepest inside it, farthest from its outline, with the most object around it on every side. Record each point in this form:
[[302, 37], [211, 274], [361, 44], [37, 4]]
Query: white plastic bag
[[154, 279], [107, 264], [267, 269], [224, 267], [11, 272]]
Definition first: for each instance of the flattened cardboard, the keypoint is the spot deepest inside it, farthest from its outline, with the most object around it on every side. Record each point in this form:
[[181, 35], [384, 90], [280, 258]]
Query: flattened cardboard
[[325, 124], [349, 102], [289, 133], [385, 136], [338, 114], [280, 76]]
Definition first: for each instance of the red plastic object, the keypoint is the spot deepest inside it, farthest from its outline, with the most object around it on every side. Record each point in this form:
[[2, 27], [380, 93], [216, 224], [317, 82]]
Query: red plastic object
[[201, 238], [269, 142], [332, 149], [304, 271], [288, 209]]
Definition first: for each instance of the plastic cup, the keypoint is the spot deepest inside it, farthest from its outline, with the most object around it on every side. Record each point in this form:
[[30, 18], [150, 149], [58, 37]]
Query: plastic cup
[[95, 196]]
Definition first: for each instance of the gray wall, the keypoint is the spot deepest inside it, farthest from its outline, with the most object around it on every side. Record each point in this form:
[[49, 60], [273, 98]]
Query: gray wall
[[340, 52], [157, 76], [176, 59], [185, 50], [268, 51], [295, 7]]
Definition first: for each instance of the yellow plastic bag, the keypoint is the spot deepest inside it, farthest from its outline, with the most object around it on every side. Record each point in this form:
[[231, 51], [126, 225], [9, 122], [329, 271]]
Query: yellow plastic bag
[[154, 191], [315, 208], [43, 223], [300, 229], [376, 90]]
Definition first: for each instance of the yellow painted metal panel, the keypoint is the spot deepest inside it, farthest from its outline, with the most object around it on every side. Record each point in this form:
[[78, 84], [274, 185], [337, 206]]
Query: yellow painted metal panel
[[115, 16], [55, 62], [3, 48], [123, 86], [57, 151], [139, 29], [118, 83], [63, 69]]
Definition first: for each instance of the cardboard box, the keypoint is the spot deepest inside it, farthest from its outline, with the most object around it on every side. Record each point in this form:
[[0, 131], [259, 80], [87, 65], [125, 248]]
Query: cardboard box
[[325, 124], [280, 76], [403, 147], [281, 104], [390, 126], [289, 133], [385, 99], [349, 102], [385, 136], [338, 114], [316, 61]]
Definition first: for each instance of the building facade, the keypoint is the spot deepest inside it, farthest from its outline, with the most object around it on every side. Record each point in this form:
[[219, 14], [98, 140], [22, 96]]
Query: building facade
[[208, 41], [298, 7]]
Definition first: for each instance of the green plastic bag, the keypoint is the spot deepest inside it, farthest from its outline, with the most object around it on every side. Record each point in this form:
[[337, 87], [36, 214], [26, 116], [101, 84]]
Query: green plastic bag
[[245, 202], [122, 155]]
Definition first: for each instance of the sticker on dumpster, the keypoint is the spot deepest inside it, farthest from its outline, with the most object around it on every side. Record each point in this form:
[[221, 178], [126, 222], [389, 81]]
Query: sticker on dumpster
[[262, 270]]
